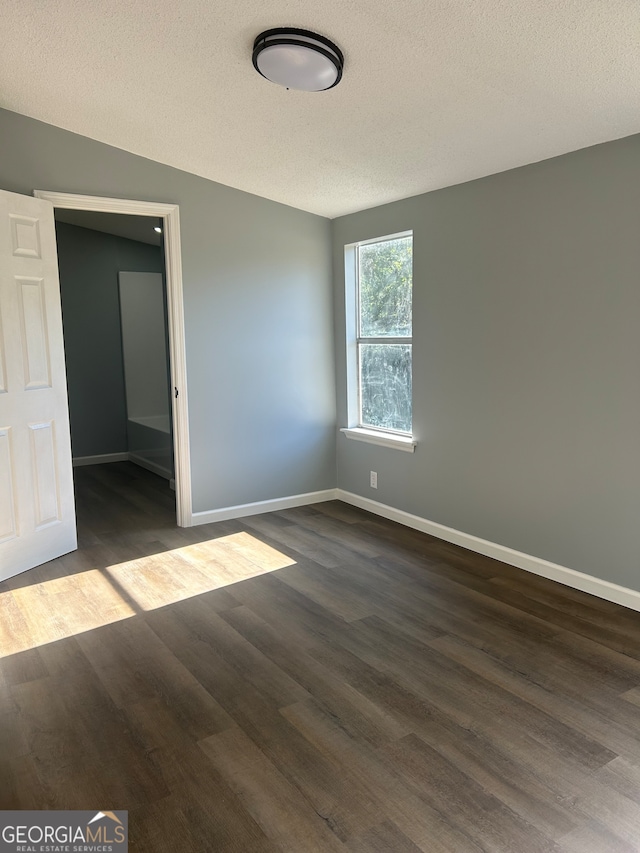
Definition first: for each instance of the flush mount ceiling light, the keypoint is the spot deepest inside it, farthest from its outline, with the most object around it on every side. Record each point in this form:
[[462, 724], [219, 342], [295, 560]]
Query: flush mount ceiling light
[[298, 59]]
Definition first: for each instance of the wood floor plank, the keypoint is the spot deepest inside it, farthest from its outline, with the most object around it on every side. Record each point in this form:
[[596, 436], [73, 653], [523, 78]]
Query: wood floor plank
[[128, 773], [567, 599], [208, 814], [239, 654], [134, 664], [295, 541], [313, 679], [622, 776], [473, 811], [594, 722], [327, 785], [56, 742], [363, 719], [20, 784], [26, 666], [338, 600], [384, 838], [16, 634], [594, 838], [275, 804], [12, 736], [491, 754], [427, 828], [334, 531], [303, 618], [470, 689]]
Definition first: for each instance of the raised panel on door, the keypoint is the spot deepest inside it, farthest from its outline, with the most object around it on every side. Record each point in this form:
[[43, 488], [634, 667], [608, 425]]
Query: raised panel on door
[[33, 328], [3, 371], [25, 236], [45, 477], [8, 521]]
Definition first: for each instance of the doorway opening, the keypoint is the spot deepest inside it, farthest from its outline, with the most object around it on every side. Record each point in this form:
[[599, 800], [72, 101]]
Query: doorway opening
[[151, 331]]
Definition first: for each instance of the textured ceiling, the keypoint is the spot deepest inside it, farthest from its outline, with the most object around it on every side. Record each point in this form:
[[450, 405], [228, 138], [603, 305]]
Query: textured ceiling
[[435, 92]]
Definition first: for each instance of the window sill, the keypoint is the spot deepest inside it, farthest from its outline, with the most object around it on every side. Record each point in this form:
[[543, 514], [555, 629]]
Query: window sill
[[397, 442]]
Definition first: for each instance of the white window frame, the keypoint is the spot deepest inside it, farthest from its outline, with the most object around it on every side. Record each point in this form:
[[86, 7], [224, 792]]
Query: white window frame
[[355, 429]]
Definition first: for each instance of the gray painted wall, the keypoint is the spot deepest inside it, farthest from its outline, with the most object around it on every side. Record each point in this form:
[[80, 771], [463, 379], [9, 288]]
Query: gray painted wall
[[144, 344], [526, 362], [258, 313], [527, 349], [89, 262]]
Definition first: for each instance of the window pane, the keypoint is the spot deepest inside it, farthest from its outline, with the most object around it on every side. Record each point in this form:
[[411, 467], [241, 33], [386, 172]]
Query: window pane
[[385, 386], [384, 277]]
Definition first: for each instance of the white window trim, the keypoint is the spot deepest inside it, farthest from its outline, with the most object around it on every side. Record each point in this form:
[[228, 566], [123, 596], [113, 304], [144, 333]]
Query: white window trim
[[383, 438], [395, 440]]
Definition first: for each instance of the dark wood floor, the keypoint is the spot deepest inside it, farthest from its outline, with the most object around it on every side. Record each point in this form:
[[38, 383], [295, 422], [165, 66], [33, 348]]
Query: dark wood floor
[[309, 680]]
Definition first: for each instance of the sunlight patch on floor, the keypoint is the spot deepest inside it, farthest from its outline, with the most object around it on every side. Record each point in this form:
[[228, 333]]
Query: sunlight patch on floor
[[195, 569], [34, 615], [42, 613]]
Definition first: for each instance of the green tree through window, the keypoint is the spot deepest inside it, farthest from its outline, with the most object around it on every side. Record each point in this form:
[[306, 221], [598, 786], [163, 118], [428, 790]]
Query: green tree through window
[[384, 276]]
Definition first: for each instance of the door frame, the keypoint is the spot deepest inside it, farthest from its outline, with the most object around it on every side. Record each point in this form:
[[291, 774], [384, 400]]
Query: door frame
[[170, 215]]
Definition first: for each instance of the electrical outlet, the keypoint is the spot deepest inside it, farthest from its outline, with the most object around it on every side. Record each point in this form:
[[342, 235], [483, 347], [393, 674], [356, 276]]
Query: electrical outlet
[[373, 479]]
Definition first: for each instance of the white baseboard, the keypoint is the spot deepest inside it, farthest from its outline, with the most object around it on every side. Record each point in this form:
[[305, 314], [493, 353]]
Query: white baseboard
[[569, 577], [537, 566], [262, 506], [101, 459], [104, 458], [143, 462]]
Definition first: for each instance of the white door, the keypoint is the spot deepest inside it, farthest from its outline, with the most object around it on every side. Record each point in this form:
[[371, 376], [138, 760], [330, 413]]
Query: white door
[[37, 512]]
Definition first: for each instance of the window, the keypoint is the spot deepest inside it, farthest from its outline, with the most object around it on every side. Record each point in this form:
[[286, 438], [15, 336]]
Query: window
[[381, 350]]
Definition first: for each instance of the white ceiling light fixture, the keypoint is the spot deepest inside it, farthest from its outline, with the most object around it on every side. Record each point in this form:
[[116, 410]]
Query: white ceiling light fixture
[[157, 229], [298, 59]]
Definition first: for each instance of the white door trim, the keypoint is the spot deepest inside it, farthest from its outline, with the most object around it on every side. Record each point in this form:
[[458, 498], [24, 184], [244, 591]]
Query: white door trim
[[170, 215]]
